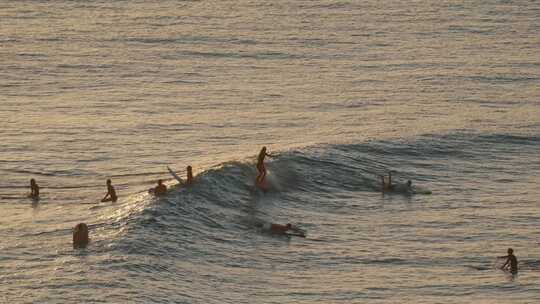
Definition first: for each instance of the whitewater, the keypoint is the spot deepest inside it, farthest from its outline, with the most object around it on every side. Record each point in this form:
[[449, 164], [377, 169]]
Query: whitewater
[[442, 93]]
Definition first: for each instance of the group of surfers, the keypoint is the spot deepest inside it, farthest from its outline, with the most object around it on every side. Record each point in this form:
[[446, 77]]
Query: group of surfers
[[80, 231]]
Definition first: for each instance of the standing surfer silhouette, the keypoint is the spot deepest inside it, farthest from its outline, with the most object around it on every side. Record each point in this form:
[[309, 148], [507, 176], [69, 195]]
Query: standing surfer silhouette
[[260, 165]]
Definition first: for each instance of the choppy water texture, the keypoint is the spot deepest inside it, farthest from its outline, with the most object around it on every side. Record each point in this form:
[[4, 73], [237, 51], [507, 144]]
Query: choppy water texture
[[445, 93]]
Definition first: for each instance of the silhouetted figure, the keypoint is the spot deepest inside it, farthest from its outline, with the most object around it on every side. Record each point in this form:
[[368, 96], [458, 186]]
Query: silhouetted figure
[[511, 263], [160, 189], [80, 236], [387, 186], [34, 189], [111, 193], [260, 165], [189, 173]]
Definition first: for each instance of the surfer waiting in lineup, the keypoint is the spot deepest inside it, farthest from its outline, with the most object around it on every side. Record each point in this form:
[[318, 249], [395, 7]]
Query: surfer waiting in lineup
[[111, 193], [284, 229], [34, 189], [189, 173], [160, 189], [387, 186], [260, 165], [511, 263]]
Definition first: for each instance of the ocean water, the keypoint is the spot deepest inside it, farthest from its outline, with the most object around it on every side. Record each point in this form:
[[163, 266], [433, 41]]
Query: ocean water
[[444, 93]]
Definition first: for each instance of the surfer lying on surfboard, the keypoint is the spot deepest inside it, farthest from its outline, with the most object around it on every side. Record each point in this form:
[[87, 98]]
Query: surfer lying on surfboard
[[287, 229]]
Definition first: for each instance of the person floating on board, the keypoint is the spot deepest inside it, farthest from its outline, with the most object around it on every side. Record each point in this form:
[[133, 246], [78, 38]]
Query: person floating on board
[[160, 189], [388, 186], [111, 193], [260, 165], [80, 236], [34, 189], [511, 263]]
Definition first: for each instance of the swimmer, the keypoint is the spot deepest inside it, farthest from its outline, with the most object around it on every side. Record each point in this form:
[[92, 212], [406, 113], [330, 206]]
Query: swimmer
[[34, 189], [260, 165], [511, 263], [387, 186], [111, 193], [160, 189], [80, 236]]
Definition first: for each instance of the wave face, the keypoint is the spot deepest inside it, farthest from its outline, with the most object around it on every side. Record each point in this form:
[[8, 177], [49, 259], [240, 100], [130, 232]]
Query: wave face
[[205, 242]]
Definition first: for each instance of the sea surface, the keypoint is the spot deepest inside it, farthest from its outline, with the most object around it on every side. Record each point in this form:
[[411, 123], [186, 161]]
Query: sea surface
[[443, 93]]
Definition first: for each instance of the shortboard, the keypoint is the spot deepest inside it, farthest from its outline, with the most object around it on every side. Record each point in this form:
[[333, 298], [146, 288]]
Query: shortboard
[[176, 177], [295, 234]]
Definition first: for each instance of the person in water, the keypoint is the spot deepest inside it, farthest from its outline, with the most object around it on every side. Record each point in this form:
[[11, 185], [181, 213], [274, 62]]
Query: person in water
[[111, 193], [284, 229], [80, 236], [34, 189], [260, 165], [189, 180], [407, 187], [387, 186], [511, 263], [160, 189]]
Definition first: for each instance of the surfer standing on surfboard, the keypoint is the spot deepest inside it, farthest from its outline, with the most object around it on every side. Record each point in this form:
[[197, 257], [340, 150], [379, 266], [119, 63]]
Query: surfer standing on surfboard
[[285, 229], [260, 165]]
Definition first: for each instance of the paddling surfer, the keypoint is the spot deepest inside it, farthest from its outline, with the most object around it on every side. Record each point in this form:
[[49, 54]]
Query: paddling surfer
[[111, 193], [287, 229]]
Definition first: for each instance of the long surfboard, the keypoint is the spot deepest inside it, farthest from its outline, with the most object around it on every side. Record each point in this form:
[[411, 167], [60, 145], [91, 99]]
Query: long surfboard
[[176, 177]]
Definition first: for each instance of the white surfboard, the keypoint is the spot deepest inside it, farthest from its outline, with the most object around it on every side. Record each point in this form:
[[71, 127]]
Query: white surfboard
[[175, 175]]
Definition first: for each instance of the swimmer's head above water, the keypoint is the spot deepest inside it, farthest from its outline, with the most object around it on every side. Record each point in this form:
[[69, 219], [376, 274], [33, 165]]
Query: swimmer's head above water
[[80, 235]]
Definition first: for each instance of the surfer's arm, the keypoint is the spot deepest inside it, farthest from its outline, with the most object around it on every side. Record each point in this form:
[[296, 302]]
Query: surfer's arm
[[505, 263]]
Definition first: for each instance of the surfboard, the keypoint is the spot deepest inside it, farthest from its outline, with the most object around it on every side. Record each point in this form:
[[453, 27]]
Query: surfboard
[[175, 175], [295, 234]]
